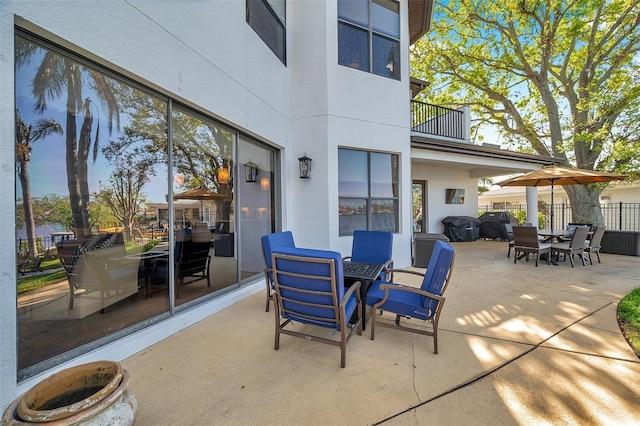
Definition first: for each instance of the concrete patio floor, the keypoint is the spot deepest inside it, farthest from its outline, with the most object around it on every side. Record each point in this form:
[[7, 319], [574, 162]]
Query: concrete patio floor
[[518, 345]]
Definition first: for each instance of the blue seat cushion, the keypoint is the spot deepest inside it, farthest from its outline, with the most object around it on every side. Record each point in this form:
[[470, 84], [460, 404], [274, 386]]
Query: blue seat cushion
[[401, 302]]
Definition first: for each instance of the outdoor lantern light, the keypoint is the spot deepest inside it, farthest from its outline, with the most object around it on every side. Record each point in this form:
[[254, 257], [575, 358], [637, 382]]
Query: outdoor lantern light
[[250, 171], [264, 184], [223, 175], [305, 167]]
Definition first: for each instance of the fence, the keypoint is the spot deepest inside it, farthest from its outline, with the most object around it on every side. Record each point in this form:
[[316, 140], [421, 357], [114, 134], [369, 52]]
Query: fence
[[616, 216]]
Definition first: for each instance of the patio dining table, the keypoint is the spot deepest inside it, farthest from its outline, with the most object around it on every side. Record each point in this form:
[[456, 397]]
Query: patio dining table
[[147, 262], [553, 234]]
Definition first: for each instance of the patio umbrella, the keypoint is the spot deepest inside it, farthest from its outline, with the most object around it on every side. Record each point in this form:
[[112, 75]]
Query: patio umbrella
[[560, 175], [201, 194]]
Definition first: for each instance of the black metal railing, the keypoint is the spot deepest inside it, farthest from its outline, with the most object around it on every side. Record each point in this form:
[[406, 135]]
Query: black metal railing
[[437, 120], [616, 216]]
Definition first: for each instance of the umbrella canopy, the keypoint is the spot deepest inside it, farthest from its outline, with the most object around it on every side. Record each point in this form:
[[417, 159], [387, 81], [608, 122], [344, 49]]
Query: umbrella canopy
[[201, 194], [560, 175]]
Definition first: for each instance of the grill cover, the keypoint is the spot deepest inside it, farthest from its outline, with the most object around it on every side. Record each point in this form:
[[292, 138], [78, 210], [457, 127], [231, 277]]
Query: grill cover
[[461, 228], [492, 224]]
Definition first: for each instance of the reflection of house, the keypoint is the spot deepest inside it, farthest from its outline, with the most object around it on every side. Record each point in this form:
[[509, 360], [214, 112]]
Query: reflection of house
[[185, 211], [200, 59]]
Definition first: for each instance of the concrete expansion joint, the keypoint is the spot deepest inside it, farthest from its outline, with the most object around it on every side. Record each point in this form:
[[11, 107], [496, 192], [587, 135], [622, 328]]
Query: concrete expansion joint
[[413, 353]]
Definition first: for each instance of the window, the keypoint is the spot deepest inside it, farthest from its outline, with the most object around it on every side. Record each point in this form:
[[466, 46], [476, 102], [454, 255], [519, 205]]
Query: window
[[369, 36], [96, 183], [267, 18], [368, 191]]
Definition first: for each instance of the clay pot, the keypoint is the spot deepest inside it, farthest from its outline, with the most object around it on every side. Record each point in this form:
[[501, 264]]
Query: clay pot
[[96, 393]]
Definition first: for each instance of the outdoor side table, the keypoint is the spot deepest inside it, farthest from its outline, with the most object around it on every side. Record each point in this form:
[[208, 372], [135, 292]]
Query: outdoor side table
[[366, 273]]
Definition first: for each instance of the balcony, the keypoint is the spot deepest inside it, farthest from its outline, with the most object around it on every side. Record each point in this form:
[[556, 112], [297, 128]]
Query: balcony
[[440, 121]]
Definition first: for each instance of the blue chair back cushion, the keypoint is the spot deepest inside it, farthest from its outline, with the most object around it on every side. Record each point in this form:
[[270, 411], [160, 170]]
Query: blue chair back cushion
[[372, 246], [271, 241], [412, 304], [291, 298], [437, 272]]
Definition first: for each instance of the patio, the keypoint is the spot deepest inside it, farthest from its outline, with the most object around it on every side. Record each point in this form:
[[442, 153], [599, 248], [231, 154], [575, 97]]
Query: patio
[[518, 345]]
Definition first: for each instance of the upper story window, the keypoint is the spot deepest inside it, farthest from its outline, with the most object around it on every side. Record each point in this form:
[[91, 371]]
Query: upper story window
[[369, 36], [367, 191], [267, 18]]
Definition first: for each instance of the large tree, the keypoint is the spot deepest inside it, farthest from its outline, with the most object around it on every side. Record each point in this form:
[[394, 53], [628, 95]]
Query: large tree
[[123, 195], [557, 77], [25, 136], [58, 77]]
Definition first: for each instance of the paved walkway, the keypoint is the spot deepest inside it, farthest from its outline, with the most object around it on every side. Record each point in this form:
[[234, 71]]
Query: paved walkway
[[519, 345]]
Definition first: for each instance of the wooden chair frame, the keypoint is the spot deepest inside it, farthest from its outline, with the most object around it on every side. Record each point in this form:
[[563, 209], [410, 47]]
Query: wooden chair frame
[[284, 314]]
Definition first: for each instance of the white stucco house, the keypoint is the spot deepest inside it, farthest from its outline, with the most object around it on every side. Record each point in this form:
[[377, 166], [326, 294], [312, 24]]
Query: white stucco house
[[202, 89]]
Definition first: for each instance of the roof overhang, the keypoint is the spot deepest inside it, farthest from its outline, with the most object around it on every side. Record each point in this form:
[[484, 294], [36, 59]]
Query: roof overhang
[[419, 18], [417, 86], [480, 160]]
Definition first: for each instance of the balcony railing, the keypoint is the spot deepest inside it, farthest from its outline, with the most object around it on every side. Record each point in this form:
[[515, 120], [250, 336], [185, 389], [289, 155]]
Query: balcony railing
[[437, 120]]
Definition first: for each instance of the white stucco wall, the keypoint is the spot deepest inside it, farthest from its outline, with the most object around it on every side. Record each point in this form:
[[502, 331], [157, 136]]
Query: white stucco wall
[[204, 54], [438, 180], [335, 106]]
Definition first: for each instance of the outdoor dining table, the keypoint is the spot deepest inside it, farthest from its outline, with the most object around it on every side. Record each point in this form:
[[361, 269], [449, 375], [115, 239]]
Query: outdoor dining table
[[146, 261], [554, 234], [366, 273]]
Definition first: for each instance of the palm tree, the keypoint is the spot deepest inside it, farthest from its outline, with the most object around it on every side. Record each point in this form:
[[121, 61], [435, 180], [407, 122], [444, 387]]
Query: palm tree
[[25, 135], [58, 76]]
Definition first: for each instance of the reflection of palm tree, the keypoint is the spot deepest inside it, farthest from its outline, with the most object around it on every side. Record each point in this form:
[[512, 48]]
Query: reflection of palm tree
[[25, 135], [56, 76]]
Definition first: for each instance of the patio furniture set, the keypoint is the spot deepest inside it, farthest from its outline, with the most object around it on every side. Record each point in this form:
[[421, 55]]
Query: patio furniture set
[[322, 288], [548, 244]]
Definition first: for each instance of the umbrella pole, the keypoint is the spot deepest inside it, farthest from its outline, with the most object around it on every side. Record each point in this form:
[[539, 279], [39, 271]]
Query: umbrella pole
[[552, 205]]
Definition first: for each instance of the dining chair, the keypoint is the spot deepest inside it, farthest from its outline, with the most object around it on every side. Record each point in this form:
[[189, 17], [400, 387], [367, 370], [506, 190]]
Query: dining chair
[[423, 303], [571, 226], [509, 228], [309, 289], [373, 247], [526, 242], [576, 245], [594, 245], [269, 242]]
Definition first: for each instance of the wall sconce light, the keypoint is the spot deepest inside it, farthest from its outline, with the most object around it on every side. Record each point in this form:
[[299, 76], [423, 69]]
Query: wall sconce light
[[223, 175], [250, 171], [264, 184], [305, 167]]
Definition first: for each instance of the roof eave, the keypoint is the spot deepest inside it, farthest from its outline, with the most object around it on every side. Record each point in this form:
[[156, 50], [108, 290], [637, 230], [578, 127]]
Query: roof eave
[[420, 12]]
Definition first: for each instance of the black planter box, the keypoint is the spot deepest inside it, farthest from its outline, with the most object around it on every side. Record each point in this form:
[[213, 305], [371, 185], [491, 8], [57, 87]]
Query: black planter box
[[621, 242]]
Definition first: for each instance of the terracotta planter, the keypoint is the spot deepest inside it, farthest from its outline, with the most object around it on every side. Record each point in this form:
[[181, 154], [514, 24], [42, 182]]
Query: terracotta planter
[[96, 393]]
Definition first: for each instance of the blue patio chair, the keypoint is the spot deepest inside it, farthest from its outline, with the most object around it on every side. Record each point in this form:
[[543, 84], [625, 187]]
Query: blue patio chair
[[269, 242], [424, 303], [309, 289], [373, 247]]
